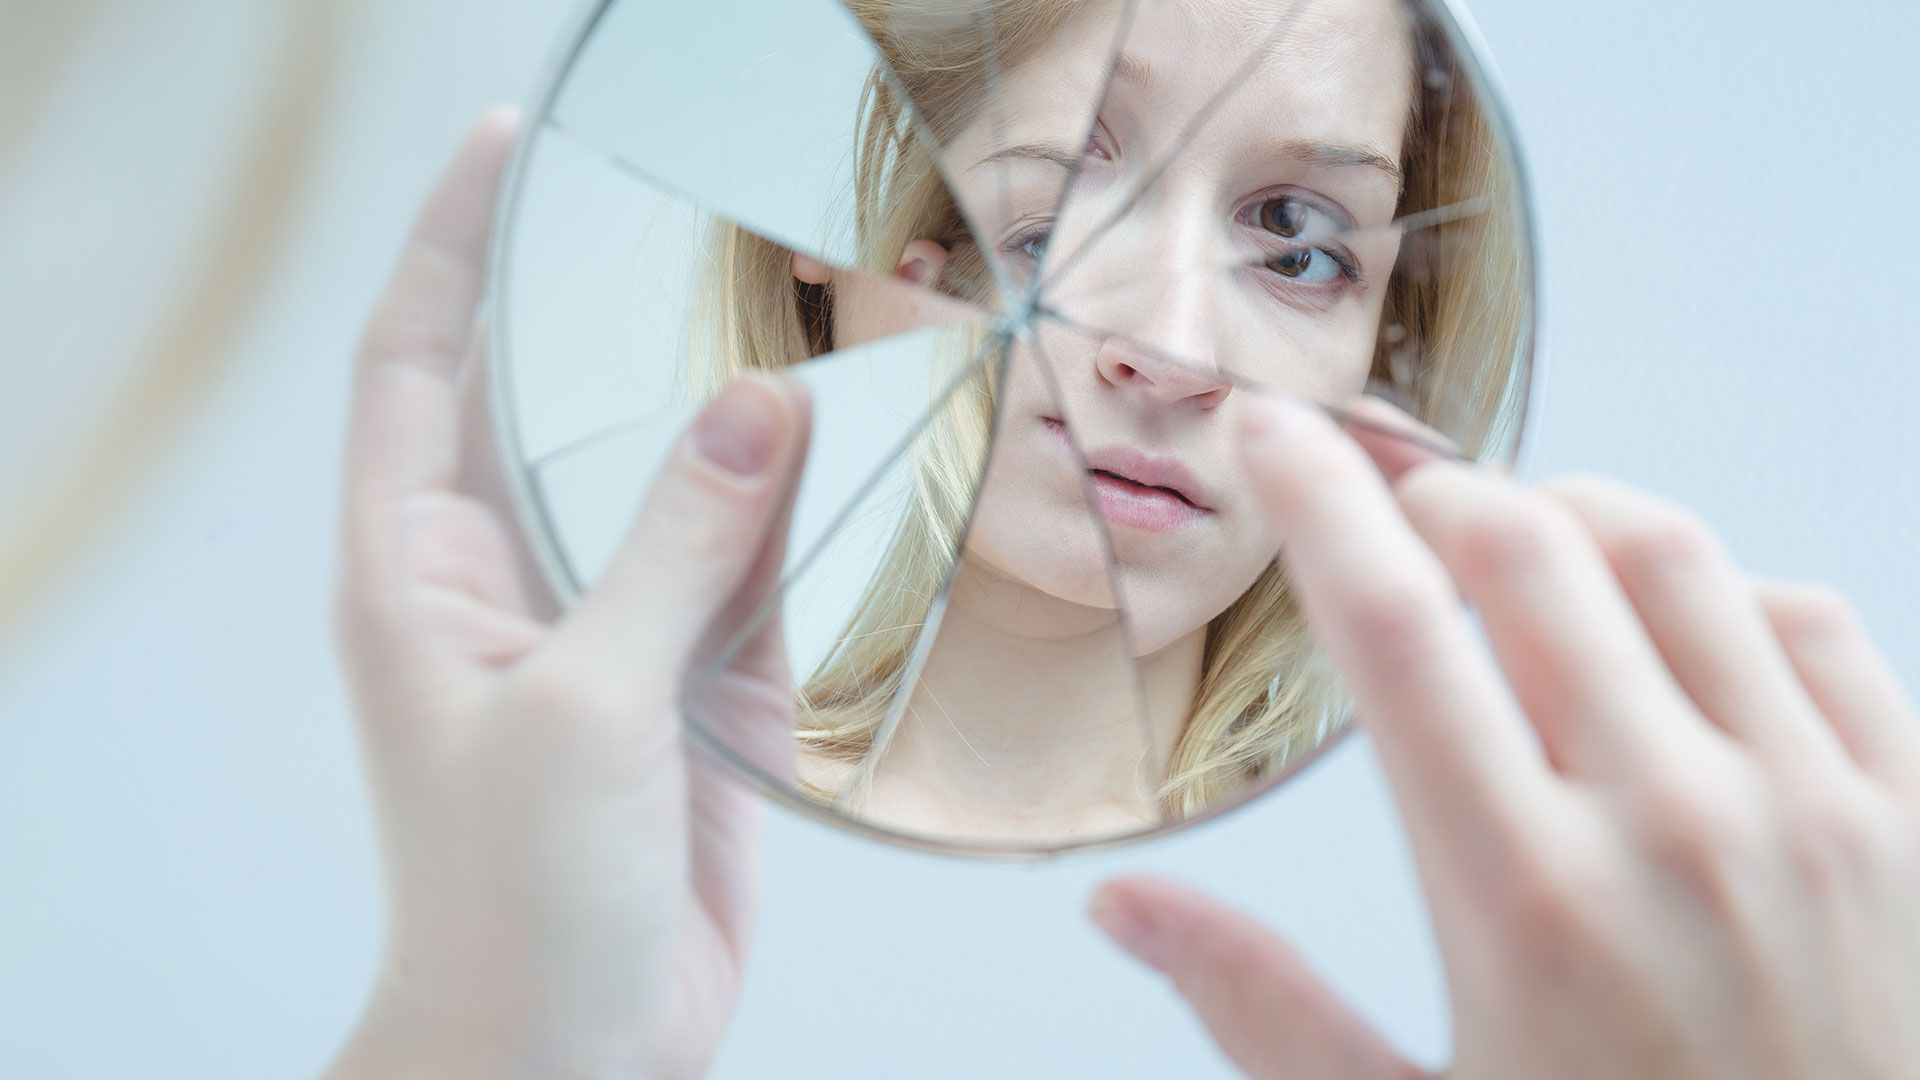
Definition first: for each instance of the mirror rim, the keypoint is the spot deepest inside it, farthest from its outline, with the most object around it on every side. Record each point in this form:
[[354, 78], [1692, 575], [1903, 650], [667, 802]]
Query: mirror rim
[[536, 530]]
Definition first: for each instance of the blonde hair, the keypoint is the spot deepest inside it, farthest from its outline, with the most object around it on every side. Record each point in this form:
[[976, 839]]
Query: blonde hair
[[1451, 338]]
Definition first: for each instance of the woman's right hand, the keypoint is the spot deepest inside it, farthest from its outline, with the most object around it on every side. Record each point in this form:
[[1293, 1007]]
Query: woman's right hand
[[570, 890], [1670, 828]]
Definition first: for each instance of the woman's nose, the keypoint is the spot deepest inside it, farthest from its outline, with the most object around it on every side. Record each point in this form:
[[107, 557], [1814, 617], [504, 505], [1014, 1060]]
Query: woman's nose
[[1161, 378], [1162, 342], [1160, 339]]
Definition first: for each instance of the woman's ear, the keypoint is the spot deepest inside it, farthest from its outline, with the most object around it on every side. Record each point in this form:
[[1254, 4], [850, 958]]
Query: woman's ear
[[810, 271], [921, 262]]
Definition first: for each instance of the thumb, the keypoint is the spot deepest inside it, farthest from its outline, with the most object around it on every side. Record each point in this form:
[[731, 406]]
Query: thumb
[[700, 530], [1263, 1005]]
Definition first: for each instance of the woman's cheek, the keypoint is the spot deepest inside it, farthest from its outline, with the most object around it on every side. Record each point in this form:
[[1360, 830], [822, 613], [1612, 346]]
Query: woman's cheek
[[1024, 531]]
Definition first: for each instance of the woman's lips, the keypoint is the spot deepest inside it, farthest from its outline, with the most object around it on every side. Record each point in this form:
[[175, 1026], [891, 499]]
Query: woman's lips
[[1150, 509], [1151, 494]]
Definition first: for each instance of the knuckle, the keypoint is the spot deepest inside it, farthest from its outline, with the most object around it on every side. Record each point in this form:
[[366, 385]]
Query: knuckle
[[1540, 908], [1515, 538], [572, 717], [448, 533], [1298, 482], [1425, 492], [1584, 489], [1681, 822], [401, 330], [555, 689], [1835, 839], [1666, 543], [1395, 613], [694, 517], [410, 319], [1703, 829], [1810, 611], [1548, 901]]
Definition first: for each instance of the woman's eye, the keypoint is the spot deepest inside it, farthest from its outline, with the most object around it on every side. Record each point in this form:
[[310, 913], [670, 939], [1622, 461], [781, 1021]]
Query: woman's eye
[[1284, 217], [1310, 265], [1303, 224], [1032, 244]]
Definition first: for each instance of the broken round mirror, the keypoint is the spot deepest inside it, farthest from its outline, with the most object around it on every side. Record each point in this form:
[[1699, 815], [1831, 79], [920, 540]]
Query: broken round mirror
[[1032, 259]]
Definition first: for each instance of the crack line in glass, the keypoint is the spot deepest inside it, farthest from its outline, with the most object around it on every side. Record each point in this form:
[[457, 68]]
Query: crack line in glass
[[922, 132], [1029, 313], [996, 89], [859, 788], [1123, 611], [641, 174], [1123, 32], [1187, 134], [1409, 225], [1253, 386], [717, 667]]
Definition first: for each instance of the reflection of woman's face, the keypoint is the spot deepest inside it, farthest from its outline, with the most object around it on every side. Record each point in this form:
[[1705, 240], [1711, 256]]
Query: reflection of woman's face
[[1242, 259], [1214, 264]]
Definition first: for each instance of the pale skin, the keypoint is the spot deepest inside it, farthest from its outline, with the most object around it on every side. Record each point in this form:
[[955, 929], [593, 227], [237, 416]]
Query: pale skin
[[1669, 828], [570, 890], [972, 761], [1041, 717]]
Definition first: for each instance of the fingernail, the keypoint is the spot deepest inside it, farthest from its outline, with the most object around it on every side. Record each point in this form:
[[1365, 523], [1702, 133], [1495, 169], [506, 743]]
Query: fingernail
[[1124, 923], [741, 429]]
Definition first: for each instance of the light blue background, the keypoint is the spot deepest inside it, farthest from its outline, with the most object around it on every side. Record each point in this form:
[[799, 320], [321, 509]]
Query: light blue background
[[1727, 202]]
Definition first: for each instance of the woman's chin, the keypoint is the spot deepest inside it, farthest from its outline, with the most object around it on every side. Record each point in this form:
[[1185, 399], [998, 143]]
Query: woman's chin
[[1071, 579]]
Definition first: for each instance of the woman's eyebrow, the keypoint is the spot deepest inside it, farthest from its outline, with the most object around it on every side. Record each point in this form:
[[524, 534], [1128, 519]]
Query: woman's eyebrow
[[1314, 152], [1129, 68], [1056, 153], [1329, 155]]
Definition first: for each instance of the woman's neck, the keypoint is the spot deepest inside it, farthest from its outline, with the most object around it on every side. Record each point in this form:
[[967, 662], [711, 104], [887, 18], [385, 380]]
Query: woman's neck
[[1033, 719]]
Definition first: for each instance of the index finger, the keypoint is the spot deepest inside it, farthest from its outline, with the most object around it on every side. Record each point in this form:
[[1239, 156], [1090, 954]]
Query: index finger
[[404, 436], [1458, 753]]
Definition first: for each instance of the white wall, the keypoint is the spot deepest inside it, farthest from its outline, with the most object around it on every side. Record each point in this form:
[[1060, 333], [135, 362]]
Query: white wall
[[189, 889]]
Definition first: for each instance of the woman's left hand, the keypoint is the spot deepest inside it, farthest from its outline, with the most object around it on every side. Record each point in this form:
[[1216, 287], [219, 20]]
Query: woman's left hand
[[570, 889]]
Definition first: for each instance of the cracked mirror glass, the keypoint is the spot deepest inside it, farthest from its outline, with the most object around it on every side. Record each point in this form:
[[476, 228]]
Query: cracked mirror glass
[[1032, 261]]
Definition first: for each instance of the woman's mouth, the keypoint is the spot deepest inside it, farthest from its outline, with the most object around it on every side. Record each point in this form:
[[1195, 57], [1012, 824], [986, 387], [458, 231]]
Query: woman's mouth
[[1136, 490]]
